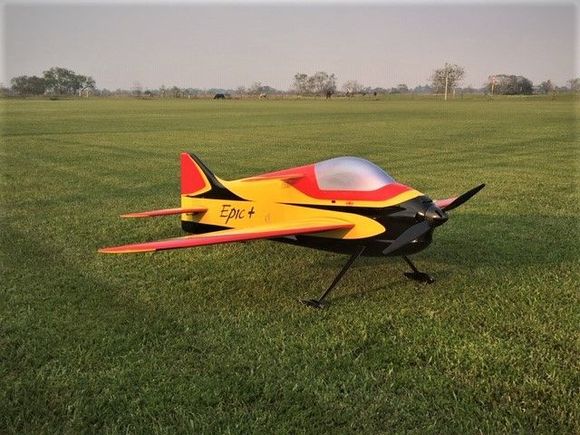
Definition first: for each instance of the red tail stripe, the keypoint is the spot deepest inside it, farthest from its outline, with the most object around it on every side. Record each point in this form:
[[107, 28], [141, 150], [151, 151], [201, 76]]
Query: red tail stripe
[[192, 178]]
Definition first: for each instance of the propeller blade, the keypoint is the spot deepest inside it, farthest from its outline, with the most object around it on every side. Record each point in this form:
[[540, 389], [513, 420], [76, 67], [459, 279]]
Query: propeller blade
[[408, 236], [463, 198]]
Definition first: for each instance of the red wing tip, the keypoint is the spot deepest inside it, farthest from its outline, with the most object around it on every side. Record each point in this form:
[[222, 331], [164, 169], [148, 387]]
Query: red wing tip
[[134, 215], [124, 250], [165, 212]]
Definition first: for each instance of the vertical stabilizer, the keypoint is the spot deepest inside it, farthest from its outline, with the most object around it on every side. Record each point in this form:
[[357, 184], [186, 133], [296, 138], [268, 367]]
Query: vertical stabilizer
[[193, 178], [198, 180]]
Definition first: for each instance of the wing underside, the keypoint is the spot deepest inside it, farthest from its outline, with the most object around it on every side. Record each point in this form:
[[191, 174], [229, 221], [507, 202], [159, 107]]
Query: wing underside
[[235, 235]]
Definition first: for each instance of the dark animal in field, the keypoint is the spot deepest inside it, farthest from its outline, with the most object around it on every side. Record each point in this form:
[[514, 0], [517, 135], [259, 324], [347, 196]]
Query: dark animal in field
[[219, 97]]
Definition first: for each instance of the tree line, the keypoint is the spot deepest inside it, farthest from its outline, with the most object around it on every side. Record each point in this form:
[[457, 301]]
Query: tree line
[[54, 81], [58, 81]]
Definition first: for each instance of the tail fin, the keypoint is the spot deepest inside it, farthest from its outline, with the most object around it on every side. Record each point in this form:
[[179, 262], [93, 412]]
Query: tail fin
[[198, 180]]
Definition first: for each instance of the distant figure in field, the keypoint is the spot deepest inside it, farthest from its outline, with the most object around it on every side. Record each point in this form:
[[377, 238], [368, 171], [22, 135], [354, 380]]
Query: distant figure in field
[[328, 94], [263, 96], [219, 97]]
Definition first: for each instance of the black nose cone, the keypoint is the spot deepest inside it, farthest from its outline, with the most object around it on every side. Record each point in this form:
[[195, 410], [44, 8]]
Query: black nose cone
[[435, 216]]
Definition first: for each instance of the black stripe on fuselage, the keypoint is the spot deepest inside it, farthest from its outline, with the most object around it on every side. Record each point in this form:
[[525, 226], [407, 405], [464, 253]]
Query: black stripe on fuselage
[[409, 208]]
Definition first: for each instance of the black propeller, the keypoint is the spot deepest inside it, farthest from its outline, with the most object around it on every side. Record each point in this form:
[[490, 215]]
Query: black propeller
[[463, 198], [432, 217], [408, 236]]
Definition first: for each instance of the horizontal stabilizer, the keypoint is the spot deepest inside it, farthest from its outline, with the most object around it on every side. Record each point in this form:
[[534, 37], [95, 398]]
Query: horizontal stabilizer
[[164, 212], [234, 235]]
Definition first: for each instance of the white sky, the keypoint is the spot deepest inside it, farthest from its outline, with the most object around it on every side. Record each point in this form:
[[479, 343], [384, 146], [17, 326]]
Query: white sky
[[225, 45]]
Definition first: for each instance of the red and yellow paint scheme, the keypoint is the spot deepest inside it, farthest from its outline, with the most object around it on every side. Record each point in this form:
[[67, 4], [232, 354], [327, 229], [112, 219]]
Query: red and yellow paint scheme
[[345, 205]]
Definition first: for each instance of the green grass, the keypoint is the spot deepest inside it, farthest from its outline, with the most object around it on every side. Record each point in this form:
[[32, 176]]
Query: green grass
[[213, 340]]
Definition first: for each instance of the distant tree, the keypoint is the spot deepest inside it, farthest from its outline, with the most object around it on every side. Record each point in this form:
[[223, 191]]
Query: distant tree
[[241, 90], [86, 83], [510, 85], [320, 83], [300, 84], [195, 92], [175, 92], [62, 81], [574, 84], [378, 91], [255, 89], [470, 90], [400, 89], [403, 88], [561, 89], [4, 91], [352, 87], [136, 89], [324, 83], [447, 78], [260, 89], [25, 85], [423, 89], [59, 81], [546, 87]]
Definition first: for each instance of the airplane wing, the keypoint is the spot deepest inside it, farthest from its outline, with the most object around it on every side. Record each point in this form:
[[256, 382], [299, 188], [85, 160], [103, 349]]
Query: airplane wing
[[234, 235], [164, 212]]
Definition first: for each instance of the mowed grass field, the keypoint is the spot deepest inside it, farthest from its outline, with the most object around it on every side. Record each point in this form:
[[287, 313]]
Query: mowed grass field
[[213, 340]]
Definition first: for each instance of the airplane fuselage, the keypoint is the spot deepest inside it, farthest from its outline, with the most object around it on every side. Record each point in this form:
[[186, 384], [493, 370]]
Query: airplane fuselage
[[375, 227]]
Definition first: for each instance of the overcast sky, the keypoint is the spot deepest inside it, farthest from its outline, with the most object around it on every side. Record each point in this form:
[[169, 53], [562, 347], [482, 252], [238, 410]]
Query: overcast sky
[[226, 45]]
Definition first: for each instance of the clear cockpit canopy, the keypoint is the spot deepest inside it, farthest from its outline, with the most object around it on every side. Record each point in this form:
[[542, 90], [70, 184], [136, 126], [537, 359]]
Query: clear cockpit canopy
[[350, 173]]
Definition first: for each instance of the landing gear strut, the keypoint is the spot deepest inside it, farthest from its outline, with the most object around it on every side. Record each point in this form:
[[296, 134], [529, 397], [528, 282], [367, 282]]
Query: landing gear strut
[[320, 303], [417, 275]]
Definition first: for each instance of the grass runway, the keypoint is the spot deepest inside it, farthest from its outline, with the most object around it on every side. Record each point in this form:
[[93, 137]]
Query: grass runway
[[212, 339]]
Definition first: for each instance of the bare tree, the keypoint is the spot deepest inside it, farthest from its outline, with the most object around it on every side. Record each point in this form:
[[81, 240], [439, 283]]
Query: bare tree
[[447, 78], [324, 83], [300, 84], [256, 88], [546, 87], [352, 87], [241, 90], [321, 83]]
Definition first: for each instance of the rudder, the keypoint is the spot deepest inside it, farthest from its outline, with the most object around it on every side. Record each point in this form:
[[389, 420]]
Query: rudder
[[198, 180]]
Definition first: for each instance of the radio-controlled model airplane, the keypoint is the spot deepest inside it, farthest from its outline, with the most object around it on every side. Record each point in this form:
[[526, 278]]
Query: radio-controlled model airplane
[[345, 205]]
